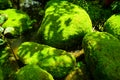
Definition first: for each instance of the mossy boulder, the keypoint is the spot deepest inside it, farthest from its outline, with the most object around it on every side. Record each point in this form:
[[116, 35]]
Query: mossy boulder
[[102, 55], [17, 22], [112, 25], [57, 62], [33, 72], [64, 25], [4, 4]]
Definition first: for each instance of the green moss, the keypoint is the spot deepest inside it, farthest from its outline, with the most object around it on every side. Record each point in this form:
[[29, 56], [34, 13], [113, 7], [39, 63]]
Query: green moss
[[102, 55], [17, 20], [33, 72], [64, 25], [55, 61], [112, 25]]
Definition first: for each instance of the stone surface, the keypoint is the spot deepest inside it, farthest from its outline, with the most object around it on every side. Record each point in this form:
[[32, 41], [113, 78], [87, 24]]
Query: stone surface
[[17, 22], [64, 25], [33, 72], [57, 62], [112, 25], [102, 55]]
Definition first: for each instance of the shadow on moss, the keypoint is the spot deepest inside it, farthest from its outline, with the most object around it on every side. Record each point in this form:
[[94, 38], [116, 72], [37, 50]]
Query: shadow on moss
[[58, 29], [57, 62]]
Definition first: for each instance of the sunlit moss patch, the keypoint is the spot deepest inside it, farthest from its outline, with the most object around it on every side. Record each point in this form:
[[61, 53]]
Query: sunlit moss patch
[[57, 62]]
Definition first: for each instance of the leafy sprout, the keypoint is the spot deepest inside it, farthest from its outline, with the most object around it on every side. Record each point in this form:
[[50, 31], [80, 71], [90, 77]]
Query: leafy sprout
[[116, 7], [3, 18]]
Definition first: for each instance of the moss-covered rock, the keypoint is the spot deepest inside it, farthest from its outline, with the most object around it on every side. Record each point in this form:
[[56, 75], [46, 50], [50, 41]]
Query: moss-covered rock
[[102, 55], [64, 25], [33, 72], [112, 25], [4, 4], [17, 22], [55, 61]]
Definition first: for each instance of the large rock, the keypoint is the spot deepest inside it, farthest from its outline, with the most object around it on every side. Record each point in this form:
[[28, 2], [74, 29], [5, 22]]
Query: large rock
[[57, 62], [102, 55], [33, 72], [112, 25], [17, 22], [64, 25]]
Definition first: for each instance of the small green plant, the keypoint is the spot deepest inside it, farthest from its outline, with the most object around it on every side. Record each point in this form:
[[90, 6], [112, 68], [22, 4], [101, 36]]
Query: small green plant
[[116, 7]]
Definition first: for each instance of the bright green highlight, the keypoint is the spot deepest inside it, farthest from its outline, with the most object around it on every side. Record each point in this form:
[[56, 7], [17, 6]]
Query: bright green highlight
[[55, 61], [17, 20], [64, 24]]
